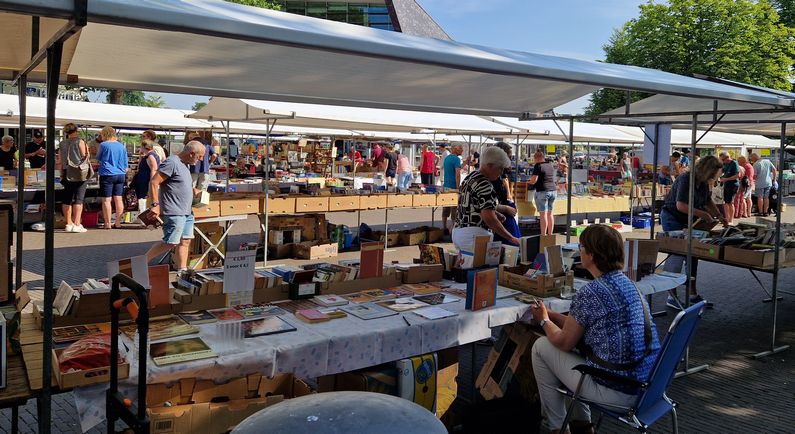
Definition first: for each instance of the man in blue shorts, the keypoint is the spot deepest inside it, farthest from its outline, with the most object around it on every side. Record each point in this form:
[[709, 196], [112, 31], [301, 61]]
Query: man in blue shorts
[[172, 193]]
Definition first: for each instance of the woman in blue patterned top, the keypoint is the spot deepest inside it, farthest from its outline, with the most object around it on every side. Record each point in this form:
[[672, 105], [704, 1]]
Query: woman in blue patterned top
[[609, 318]]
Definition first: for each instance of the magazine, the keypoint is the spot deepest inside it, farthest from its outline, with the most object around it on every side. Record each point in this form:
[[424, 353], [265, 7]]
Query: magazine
[[266, 326], [166, 353]]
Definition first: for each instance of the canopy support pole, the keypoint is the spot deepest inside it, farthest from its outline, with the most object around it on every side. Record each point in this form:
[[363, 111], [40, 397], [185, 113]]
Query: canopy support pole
[[22, 85], [776, 258], [268, 128], [228, 161], [654, 177], [691, 280], [54, 54], [570, 182]]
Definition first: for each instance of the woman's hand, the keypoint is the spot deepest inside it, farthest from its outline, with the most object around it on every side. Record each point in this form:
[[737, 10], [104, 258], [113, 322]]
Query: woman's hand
[[539, 311], [508, 211], [500, 217]]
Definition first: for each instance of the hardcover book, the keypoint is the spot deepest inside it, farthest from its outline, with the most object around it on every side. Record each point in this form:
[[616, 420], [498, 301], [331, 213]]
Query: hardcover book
[[402, 304], [329, 300], [311, 315], [430, 254], [197, 317], [481, 288], [266, 326], [169, 352], [438, 298], [226, 314], [62, 335], [162, 328], [251, 311], [434, 312], [372, 260]]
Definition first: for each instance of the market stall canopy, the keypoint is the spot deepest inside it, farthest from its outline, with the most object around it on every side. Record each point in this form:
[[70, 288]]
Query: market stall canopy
[[211, 47], [731, 122], [583, 131], [344, 117]]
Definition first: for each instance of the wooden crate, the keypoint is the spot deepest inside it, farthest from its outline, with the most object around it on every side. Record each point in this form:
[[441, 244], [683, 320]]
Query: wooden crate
[[424, 200], [311, 204], [447, 199], [343, 203], [399, 201], [213, 209], [239, 206], [278, 205], [70, 380], [374, 201]]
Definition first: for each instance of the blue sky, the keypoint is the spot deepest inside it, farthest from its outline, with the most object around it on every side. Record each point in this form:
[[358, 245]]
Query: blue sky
[[569, 28]]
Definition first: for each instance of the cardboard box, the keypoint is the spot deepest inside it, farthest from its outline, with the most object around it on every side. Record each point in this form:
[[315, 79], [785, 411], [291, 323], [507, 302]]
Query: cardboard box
[[545, 285], [213, 209], [503, 361], [280, 251], [374, 201], [190, 302], [203, 406], [311, 204], [239, 206], [392, 238], [278, 205], [422, 273], [340, 288], [70, 380], [412, 237], [700, 249], [424, 200], [343, 203], [447, 199], [268, 295], [755, 258], [93, 308], [433, 235], [286, 236], [399, 201], [315, 249]]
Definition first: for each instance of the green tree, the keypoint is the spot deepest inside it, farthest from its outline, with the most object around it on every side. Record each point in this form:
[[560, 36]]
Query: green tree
[[740, 40], [265, 4], [786, 11], [155, 101], [198, 106]]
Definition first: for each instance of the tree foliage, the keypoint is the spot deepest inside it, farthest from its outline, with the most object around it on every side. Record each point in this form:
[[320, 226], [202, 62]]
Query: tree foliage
[[155, 101], [198, 105], [740, 40], [265, 4], [786, 11]]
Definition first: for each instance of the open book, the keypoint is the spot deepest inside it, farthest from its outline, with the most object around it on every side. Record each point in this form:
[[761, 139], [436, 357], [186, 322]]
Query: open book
[[65, 299]]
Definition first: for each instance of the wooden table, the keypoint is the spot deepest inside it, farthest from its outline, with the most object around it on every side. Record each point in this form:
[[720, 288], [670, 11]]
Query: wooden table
[[17, 392]]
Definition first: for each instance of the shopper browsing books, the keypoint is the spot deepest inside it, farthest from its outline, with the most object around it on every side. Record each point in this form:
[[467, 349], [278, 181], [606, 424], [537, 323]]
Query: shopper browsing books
[[112, 157], [452, 179], [764, 177], [427, 165], [172, 192], [611, 319], [404, 173], [543, 180], [147, 168], [674, 214], [477, 202], [75, 172], [506, 207]]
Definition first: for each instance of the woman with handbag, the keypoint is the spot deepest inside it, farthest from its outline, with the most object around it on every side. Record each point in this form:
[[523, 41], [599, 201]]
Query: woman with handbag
[[76, 170]]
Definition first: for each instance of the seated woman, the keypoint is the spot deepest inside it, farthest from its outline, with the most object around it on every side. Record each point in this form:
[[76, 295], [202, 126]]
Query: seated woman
[[610, 317], [478, 202]]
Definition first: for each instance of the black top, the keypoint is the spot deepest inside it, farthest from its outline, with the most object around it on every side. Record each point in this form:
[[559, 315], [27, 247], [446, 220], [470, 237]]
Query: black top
[[546, 176], [7, 158], [731, 169], [476, 157], [680, 192], [391, 159], [35, 161], [499, 190], [476, 194]]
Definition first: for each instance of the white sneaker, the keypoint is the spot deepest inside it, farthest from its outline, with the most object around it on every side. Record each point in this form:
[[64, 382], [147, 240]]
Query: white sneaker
[[79, 229], [70, 228]]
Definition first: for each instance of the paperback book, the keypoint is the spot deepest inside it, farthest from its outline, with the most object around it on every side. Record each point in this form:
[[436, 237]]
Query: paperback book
[[62, 335], [402, 304], [368, 311], [226, 314], [251, 311], [197, 317], [162, 328], [438, 298], [329, 300], [434, 312]]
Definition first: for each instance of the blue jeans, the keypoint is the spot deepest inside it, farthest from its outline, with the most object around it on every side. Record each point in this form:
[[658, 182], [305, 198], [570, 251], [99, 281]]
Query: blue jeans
[[177, 228], [675, 263], [544, 200], [404, 180]]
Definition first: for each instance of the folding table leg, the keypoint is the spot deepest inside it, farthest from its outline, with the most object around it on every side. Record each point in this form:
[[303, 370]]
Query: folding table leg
[[762, 285], [14, 419]]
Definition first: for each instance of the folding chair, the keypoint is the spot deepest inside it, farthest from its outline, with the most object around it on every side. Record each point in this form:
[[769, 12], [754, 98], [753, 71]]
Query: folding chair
[[652, 403]]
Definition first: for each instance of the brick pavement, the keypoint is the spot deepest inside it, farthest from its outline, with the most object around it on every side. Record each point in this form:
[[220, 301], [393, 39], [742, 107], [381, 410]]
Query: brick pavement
[[737, 394]]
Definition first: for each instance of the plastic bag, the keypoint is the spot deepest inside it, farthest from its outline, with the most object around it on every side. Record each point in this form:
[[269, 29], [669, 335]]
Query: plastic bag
[[87, 353]]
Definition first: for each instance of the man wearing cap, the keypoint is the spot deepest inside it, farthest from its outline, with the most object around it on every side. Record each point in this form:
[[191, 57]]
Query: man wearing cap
[[35, 150]]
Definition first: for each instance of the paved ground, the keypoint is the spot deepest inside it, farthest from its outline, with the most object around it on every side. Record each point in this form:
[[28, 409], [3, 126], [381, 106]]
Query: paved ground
[[737, 394]]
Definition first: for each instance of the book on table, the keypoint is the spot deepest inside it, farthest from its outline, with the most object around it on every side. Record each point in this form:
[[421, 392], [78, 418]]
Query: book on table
[[329, 300], [266, 326], [183, 350], [251, 311], [438, 298], [434, 312], [311, 315], [368, 311], [226, 314], [402, 304], [481, 288], [197, 317], [162, 328]]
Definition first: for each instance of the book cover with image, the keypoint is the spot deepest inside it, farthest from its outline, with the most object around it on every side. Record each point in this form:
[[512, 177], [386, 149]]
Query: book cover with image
[[166, 353], [481, 289], [226, 314], [402, 304], [438, 298], [368, 311], [162, 328], [266, 326], [197, 317]]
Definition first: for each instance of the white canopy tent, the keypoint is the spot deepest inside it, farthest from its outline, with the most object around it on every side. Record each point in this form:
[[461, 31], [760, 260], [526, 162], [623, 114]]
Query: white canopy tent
[[319, 61], [352, 118], [657, 105]]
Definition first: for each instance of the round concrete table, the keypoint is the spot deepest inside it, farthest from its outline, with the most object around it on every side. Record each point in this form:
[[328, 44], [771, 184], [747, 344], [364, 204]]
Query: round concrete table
[[342, 412]]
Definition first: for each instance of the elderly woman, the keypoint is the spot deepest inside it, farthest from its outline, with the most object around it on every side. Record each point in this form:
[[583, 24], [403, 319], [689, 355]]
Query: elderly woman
[[478, 204], [610, 317], [674, 214], [8, 154], [147, 168]]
